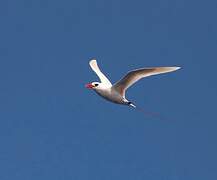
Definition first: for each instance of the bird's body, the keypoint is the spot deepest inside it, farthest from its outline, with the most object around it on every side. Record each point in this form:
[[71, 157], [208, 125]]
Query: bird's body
[[112, 95], [116, 92]]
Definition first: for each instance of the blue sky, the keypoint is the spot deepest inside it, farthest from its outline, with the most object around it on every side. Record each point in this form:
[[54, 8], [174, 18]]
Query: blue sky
[[51, 127]]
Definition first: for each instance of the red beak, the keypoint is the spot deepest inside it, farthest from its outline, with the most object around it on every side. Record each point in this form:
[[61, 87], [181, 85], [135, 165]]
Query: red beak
[[89, 86]]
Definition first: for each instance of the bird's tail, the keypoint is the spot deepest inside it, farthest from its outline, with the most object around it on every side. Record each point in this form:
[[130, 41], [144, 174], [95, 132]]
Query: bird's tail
[[146, 113], [132, 105]]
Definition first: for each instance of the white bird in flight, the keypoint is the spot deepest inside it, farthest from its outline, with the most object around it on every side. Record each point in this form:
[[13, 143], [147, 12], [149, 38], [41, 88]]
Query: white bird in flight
[[116, 92]]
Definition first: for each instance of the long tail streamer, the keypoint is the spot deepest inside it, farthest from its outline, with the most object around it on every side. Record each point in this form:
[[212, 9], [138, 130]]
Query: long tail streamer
[[147, 113]]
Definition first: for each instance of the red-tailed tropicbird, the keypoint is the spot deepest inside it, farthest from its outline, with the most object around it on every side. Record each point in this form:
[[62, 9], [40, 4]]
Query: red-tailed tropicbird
[[116, 92]]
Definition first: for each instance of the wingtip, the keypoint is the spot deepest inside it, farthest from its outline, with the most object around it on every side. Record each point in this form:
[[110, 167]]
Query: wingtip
[[167, 69], [176, 68], [92, 61]]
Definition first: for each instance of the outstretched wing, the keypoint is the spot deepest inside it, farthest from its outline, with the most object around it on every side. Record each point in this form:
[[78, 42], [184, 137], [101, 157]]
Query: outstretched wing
[[135, 75], [102, 77]]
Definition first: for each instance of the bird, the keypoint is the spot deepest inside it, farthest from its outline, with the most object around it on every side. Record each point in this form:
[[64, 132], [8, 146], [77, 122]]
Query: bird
[[116, 92]]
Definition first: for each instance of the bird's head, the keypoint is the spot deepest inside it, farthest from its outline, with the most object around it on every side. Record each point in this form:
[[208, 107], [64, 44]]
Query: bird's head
[[93, 85]]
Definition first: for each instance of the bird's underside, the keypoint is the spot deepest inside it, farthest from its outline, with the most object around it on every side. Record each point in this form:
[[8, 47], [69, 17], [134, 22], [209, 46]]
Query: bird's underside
[[112, 95]]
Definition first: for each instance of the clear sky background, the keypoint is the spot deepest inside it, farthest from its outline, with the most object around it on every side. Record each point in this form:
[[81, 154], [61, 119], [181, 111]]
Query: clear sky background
[[52, 128]]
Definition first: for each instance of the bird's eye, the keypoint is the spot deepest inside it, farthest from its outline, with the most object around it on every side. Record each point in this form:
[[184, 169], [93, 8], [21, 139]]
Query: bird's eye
[[96, 85]]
